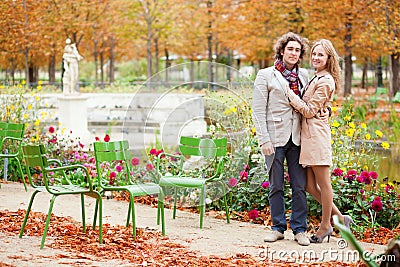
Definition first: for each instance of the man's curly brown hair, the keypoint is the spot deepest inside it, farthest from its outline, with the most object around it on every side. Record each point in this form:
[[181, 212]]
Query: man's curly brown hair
[[282, 42]]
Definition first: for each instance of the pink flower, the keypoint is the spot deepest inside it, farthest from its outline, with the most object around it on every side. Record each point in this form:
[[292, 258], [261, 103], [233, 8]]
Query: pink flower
[[376, 205], [389, 189], [149, 167], [107, 138], [92, 160], [364, 174], [362, 191], [232, 182], [51, 129], [373, 175], [113, 175], [153, 151], [118, 168], [265, 184], [367, 180], [253, 214], [337, 172], [244, 176], [135, 161]]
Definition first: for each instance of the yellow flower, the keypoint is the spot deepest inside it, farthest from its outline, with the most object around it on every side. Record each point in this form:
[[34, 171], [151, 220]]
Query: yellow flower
[[233, 109], [37, 122], [335, 123], [378, 133], [334, 109], [39, 87], [40, 82], [385, 145], [26, 116], [368, 136], [29, 106], [364, 125], [347, 118], [352, 125], [23, 82], [383, 185], [227, 111], [37, 98], [332, 141], [2, 86], [350, 132], [253, 130], [333, 131], [391, 184]]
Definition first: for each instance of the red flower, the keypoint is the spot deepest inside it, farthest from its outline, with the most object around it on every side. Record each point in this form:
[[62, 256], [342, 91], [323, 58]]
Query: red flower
[[376, 205], [244, 176], [118, 168], [149, 167], [135, 161], [51, 129], [265, 184], [81, 145], [107, 138], [113, 175], [97, 138], [337, 172], [373, 175], [153, 151], [232, 182], [253, 214]]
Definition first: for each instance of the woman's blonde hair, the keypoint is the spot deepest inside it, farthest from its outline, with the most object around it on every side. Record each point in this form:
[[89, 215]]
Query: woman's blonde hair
[[332, 64]]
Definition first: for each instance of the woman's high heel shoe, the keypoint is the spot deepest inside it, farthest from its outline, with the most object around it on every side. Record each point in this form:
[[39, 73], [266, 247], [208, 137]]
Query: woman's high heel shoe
[[347, 221], [316, 239]]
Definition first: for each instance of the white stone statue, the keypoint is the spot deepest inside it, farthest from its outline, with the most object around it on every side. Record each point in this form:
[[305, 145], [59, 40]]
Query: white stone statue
[[71, 57]]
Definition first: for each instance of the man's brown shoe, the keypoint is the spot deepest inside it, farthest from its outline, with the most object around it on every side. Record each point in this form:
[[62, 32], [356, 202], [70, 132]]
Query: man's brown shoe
[[273, 236]]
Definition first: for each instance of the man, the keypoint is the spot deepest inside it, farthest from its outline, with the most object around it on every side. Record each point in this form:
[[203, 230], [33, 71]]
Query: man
[[278, 129]]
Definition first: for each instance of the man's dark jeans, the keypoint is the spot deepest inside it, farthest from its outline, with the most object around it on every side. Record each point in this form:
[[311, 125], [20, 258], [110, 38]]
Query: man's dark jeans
[[297, 174]]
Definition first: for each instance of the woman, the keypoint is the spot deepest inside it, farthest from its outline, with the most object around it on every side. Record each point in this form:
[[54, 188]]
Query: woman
[[316, 150]]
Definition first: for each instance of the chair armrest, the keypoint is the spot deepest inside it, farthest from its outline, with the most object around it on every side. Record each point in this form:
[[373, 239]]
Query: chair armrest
[[179, 158], [346, 234], [219, 172], [72, 167]]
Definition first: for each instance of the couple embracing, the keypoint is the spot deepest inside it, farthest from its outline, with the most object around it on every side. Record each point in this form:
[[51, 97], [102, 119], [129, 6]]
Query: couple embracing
[[291, 113]]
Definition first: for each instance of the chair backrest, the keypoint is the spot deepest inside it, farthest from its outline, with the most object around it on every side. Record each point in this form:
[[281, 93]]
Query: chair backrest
[[206, 147], [35, 161], [14, 130], [110, 155]]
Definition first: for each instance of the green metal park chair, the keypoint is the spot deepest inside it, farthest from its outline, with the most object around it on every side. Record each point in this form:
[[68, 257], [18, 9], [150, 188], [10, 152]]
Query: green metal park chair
[[108, 156], [41, 172], [11, 135], [212, 152]]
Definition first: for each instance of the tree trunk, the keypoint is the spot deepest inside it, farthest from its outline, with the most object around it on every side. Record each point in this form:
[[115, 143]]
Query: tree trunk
[[112, 60], [52, 68], [228, 68], [394, 67], [209, 44], [379, 73], [348, 71], [192, 72], [33, 74], [148, 49], [364, 77], [12, 71], [101, 70], [26, 50], [156, 55], [96, 78], [167, 65]]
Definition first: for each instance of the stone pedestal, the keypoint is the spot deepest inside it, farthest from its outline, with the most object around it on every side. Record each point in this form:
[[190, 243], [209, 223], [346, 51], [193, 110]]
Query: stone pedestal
[[72, 115]]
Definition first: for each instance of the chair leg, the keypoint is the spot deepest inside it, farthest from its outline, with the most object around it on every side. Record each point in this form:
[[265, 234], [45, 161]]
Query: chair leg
[[95, 213], [27, 213], [160, 212], [132, 208], [202, 205], [46, 227], [21, 173], [225, 202], [99, 201], [175, 195], [83, 213], [129, 212]]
